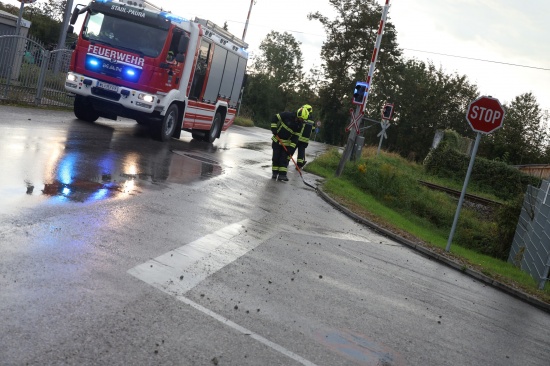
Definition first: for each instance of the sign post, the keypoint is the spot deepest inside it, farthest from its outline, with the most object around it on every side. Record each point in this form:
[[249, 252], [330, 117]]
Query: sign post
[[20, 18], [387, 111], [485, 115]]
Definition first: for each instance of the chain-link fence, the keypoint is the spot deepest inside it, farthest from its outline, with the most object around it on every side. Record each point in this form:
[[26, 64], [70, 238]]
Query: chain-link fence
[[531, 247], [31, 74]]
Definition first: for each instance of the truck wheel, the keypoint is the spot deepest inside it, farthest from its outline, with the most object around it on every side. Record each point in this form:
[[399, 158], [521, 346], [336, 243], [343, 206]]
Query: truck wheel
[[164, 130], [215, 130], [84, 110]]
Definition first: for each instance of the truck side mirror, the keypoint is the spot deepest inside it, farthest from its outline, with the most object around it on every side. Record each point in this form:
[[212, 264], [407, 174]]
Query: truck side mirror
[[74, 16], [79, 9]]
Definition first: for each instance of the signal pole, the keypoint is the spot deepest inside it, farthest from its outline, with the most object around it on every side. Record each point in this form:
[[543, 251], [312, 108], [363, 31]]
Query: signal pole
[[356, 117]]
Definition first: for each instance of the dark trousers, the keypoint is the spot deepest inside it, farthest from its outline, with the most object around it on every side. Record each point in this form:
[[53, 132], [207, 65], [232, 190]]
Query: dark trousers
[[301, 161], [279, 160]]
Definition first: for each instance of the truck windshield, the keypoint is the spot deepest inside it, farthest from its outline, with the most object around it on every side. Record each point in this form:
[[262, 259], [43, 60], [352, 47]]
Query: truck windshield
[[117, 32]]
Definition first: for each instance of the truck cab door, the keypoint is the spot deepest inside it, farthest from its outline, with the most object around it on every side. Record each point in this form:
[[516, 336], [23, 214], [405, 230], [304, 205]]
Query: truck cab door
[[200, 74]]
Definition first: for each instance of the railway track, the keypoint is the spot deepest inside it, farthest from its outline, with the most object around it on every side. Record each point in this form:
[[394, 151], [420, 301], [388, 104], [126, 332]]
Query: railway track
[[469, 197]]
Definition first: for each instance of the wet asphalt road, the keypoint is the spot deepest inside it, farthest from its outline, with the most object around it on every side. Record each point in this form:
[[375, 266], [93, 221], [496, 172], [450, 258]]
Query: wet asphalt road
[[120, 250]]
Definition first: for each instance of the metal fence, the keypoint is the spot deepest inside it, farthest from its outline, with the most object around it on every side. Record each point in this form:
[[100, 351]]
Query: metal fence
[[531, 247], [29, 73]]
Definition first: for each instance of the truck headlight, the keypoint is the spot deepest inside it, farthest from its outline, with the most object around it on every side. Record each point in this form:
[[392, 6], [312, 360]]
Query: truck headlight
[[146, 97], [71, 77]]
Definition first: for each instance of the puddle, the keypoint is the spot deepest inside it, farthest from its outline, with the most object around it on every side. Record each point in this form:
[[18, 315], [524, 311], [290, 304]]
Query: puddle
[[82, 191], [250, 162], [83, 177], [196, 157], [257, 146]]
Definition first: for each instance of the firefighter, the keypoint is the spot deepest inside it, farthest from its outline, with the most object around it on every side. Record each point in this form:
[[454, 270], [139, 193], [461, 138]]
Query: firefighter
[[303, 138], [286, 126], [170, 58]]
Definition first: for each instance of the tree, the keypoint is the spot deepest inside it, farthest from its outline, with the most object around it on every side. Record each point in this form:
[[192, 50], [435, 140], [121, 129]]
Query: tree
[[53, 9], [280, 59], [262, 99], [426, 99], [275, 78], [43, 17], [346, 55], [523, 138]]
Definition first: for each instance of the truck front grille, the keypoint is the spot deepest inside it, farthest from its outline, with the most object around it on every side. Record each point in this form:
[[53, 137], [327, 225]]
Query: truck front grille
[[105, 93]]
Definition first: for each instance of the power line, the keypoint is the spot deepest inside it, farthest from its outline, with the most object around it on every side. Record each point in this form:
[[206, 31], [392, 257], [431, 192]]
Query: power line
[[434, 53], [479, 59]]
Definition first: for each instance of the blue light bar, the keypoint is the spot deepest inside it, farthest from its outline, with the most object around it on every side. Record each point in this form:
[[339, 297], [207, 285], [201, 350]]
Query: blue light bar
[[173, 18]]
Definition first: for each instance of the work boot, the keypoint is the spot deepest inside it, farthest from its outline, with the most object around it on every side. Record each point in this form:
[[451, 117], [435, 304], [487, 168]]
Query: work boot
[[283, 178], [274, 176]]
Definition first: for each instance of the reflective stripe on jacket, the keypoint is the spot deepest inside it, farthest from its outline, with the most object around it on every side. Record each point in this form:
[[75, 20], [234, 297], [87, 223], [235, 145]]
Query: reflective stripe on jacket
[[305, 133], [287, 127]]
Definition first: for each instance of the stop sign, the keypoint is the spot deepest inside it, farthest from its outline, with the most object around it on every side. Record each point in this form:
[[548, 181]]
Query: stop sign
[[485, 114]]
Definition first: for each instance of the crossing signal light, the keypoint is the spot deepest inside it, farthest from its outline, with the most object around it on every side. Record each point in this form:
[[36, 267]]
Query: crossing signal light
[[387, 111], [360, 92]]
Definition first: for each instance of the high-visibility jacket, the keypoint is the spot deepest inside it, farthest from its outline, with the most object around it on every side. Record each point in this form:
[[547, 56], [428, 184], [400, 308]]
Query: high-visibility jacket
[[287, 126], [305, 133]]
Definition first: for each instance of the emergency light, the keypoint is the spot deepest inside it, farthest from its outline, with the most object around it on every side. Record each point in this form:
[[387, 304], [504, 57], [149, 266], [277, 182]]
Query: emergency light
[[173, 18], [131, 74], [93, 63], [106, 67]]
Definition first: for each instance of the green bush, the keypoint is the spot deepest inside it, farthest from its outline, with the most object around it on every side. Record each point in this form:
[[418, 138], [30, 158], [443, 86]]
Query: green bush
[[393, 181], [491, 177]]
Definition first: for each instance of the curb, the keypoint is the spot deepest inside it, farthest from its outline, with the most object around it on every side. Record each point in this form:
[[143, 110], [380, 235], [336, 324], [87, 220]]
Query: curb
[[455, 265]]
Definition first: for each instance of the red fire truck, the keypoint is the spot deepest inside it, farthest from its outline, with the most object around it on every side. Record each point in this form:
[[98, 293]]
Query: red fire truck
[[135, 60]]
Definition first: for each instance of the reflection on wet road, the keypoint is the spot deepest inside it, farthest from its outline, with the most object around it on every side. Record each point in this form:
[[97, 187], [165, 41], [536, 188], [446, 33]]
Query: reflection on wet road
[[64, 166]]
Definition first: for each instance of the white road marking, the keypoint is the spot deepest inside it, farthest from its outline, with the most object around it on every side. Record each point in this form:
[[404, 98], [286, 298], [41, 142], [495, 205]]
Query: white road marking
[[202, 258], [247, 332]]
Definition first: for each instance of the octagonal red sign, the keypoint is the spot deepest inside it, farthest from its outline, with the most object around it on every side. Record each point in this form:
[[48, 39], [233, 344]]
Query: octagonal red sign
[[485, 114]]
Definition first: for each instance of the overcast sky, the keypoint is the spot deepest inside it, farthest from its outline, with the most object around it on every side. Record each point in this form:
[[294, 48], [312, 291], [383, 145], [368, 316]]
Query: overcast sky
[[504, 31]]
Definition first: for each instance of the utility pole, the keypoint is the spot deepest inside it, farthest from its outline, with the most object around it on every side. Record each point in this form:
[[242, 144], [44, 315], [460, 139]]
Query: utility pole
[[252, 2], [63, 33], [357, 116], [66, 18]]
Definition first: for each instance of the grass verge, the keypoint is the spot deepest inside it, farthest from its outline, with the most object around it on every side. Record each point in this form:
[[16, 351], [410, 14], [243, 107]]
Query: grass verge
[[243, 121]]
